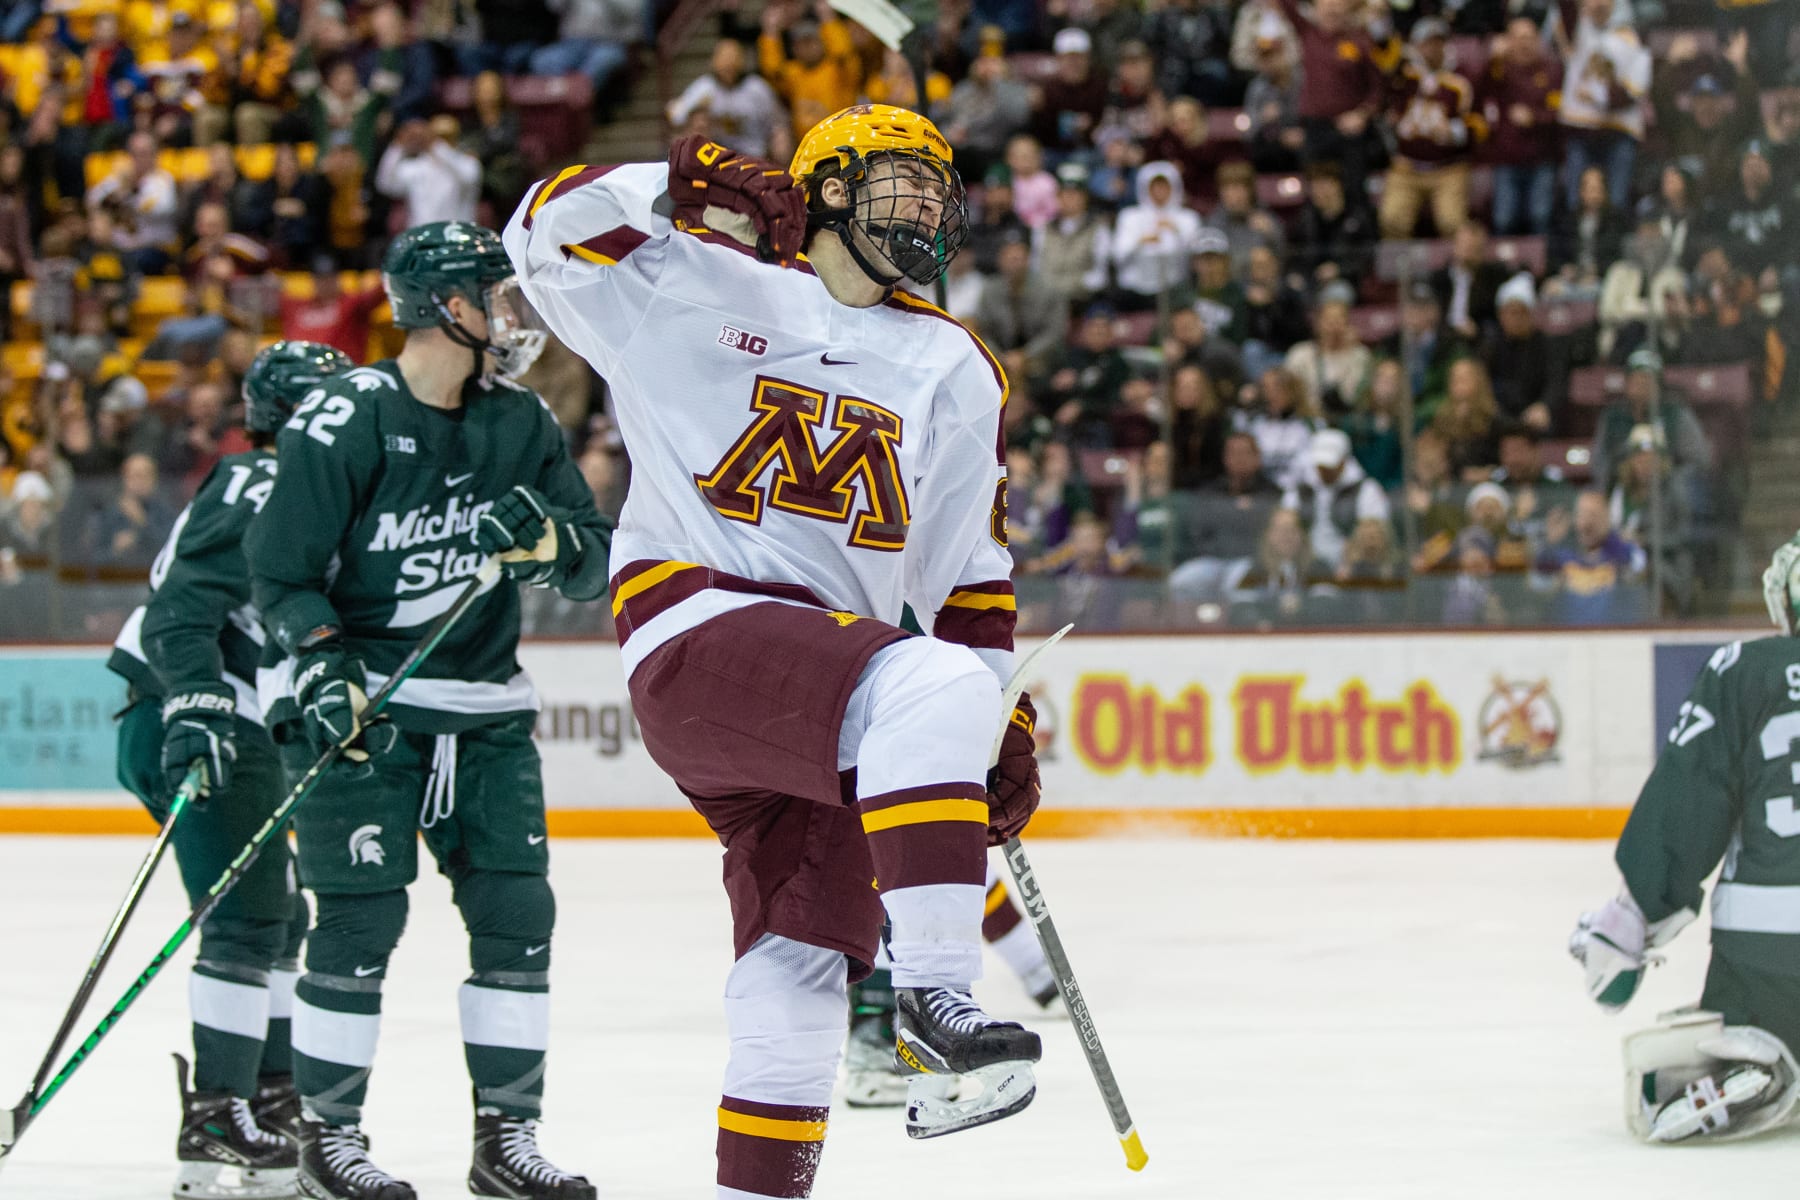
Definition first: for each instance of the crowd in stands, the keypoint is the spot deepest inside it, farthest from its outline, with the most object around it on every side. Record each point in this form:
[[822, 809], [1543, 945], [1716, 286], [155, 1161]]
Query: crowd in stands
[[1456, 312], [1459, 312]]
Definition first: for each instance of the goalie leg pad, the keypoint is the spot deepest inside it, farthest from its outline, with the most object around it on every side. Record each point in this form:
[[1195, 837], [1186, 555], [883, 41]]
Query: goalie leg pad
[[1692, 1076]]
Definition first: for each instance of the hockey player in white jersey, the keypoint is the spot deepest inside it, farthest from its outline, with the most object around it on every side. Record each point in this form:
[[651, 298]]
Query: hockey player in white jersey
[[811, 449]]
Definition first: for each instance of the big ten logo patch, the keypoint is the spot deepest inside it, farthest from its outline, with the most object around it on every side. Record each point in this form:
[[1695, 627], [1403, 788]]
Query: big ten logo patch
[[396, 444], [1520, 724], [743, 339], [609, 728]]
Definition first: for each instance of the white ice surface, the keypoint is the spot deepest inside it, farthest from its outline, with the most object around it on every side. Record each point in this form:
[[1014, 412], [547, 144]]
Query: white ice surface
[[1288, 1019]]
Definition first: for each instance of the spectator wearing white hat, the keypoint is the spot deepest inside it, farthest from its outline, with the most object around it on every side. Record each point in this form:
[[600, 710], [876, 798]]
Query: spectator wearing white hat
[[1529, 368], [26, 528], [1331, 493], [1066, 109]]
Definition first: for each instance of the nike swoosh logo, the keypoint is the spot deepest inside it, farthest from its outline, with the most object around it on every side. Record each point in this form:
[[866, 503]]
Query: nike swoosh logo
[[531, 950], [364, 972], [451, 481], [532, 839], [829, 361]]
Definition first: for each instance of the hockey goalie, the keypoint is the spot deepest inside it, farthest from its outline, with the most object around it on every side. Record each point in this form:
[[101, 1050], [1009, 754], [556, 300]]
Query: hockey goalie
[[1723, 789]]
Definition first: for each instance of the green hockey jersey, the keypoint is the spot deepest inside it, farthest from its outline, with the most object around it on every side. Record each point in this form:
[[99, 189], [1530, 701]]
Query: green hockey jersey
[[199, 627], [1726, 787], [371, 528]]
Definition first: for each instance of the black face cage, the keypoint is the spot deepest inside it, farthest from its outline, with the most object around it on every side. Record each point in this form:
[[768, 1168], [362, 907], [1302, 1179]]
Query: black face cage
[[911, 205]]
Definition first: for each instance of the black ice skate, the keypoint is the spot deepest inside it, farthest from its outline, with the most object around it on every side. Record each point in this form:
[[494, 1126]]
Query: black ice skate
[[335, 1165], [943, 1040], [276, 1106], [508, 1164], [224, 1154]]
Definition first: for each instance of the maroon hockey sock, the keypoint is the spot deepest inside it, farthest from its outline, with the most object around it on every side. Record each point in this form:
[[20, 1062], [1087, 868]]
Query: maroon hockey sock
[[1000, 915], [769, 1149], [926, 835]]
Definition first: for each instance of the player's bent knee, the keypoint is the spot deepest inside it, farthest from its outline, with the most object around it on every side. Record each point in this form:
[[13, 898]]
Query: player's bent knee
[[924, 712], [510, 917], [787, 1009], [1692, 1077], [353, 935], [240, 942]]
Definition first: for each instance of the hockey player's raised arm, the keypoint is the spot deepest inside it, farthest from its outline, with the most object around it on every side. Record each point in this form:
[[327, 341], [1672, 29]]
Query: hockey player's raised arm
[[586, 244], [1688, 808], [329, 454], [199, 579], [960, 572]]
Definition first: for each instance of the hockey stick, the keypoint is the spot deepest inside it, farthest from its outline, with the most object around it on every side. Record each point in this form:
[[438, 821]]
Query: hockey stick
[[16, 1120], [190, 787], [1038, 911]]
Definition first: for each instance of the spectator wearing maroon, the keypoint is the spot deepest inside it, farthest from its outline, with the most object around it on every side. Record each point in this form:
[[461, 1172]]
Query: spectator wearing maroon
[[332, 315], [287, 210], [1757, 225], [1067, 108], [1191, 40], [1342, 88], [17, 259], [1244, 224], [1519, 95], [1607, 81], [1468, 284], [1529, 369], [194, 443], [214, 239], [1133, 103], [1436, 128], [1337, 232], [1585, 241], [1272, 101], [1186, 140]]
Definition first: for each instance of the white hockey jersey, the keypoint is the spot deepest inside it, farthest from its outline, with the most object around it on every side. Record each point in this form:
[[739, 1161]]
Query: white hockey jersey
[[783, 446]]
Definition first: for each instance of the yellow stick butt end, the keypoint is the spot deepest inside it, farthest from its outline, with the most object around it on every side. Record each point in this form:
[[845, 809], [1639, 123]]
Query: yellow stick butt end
[[1135, 1158]]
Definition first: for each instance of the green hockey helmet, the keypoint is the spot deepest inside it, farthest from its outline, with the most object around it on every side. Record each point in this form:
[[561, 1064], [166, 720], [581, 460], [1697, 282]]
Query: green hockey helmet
[[280, 376], [428, 264], [1781, 586]]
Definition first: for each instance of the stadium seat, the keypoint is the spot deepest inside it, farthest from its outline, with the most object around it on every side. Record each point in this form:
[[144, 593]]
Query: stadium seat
[[160, 296], [1106, 468], [1032, 68], [1280, 191], [1230, 126], [1561, 317], [1374, 322], [1727, 386], [24, 359], [1135, 329], [1594, 386], [1572, 457], [1525, 253], [1395, 261], [556, 111]]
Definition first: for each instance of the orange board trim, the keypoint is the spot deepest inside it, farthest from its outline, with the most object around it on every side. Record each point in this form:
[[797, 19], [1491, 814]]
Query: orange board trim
[[1050, 823]]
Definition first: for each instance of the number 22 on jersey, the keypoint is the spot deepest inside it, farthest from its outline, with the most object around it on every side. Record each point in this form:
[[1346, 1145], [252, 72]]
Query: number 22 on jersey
[[808, 483]]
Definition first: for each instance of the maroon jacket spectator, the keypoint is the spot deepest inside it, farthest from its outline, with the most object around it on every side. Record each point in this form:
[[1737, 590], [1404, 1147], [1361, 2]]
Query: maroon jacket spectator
[[333, 316], [1518, 95], [1185, 141], [1341, 81], [1435, 130], [1068, 107]]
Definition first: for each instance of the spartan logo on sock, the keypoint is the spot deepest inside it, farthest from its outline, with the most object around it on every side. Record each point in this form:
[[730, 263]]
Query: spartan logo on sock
[[783, 440], [427, 526], [365, 846]]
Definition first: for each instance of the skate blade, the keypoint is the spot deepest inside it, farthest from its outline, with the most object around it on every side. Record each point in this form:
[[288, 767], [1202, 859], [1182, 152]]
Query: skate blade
[[218, 1181], [935, 1104], [874, 1089]]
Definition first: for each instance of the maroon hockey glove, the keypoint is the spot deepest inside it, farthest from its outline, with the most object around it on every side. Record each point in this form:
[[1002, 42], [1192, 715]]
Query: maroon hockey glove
[[1013, 787], [703, 172]]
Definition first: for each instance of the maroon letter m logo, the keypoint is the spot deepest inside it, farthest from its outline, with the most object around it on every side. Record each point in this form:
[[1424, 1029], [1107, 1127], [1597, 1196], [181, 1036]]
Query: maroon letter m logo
[[864, 448]]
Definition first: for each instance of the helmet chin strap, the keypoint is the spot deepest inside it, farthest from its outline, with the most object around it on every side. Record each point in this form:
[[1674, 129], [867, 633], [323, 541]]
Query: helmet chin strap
[[455, 331], [838, 222]]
